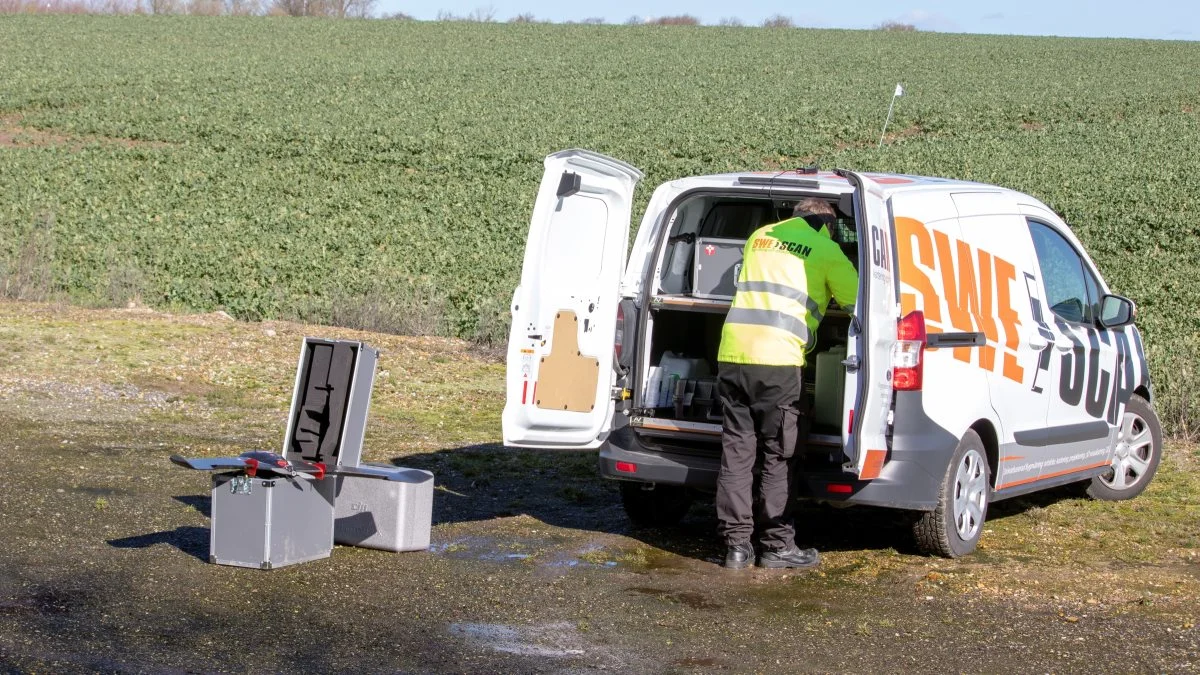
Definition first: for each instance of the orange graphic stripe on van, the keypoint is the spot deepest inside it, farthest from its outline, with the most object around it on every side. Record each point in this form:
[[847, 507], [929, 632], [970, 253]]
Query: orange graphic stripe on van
[[1056, 474], [1011, 458], [974, 295], [873, 464]]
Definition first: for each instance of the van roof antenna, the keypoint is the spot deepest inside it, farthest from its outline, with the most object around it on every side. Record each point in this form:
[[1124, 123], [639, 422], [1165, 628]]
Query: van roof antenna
[[771, 186]]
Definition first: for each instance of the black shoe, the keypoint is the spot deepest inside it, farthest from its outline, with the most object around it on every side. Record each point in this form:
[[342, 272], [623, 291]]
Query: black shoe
[[739, 556], [790, 558]]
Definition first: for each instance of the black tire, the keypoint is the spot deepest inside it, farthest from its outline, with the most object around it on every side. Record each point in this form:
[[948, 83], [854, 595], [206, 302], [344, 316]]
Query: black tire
[[662, 506], [1139, 449], [954, 527]]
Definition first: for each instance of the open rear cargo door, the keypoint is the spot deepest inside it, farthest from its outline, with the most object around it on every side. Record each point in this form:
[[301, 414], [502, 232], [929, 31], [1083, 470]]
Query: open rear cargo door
[[560, 348], [866, 435]]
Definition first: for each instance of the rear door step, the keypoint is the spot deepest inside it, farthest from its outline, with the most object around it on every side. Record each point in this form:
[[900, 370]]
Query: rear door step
[[677, 429]]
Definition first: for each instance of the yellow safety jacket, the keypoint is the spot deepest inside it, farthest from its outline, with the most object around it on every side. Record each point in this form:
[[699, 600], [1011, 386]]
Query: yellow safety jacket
[[789, 271]]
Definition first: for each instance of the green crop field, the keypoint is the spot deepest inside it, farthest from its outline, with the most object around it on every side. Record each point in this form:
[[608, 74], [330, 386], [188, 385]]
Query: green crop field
[[382, 173]]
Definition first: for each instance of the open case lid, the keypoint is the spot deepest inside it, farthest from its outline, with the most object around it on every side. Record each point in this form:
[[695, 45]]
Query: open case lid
[[330, 401]]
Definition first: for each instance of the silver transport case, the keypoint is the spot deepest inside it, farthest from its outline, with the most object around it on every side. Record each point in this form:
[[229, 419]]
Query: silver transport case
[[393, 514], [716, 266], [270, 510], [270, 522]]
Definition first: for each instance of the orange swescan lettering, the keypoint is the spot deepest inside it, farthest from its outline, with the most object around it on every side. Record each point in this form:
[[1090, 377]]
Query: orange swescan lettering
[[981, 304], [908, 232], [960, 314], [1006, 274]]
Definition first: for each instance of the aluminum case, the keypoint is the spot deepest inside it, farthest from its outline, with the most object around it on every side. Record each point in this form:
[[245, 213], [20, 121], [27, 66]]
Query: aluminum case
[[270, 522]]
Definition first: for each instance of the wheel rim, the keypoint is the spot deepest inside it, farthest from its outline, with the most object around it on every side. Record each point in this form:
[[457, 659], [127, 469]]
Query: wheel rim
[[1133, 454], [970, 495]]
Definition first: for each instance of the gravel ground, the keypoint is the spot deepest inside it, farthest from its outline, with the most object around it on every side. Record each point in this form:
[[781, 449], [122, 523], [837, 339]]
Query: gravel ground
[[533, 566]]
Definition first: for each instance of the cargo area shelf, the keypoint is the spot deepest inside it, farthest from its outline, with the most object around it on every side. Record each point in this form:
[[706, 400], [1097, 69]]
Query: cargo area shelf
[[668, 428], [689, 303]]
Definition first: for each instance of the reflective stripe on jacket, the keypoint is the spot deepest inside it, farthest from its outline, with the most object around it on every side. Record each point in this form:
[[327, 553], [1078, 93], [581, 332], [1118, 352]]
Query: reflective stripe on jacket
[[789, 272]]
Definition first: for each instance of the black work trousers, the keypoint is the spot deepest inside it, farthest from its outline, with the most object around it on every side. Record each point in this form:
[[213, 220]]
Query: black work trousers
[[758, 441]]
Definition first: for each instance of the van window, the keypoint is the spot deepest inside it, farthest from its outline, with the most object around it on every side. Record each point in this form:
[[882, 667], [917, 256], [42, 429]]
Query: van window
[[1064, 275]]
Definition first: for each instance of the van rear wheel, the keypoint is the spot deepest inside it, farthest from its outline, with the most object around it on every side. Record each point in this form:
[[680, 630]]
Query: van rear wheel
[[954, 527], [660, 506]]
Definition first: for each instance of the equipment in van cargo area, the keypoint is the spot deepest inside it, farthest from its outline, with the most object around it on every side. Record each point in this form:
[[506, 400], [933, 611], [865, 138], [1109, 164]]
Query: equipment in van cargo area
[[696, 399], [669, 378], [271, 510], [716, 267], [830, 387]]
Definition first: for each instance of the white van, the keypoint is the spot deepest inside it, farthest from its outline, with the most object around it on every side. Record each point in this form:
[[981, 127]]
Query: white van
[[985, 357]]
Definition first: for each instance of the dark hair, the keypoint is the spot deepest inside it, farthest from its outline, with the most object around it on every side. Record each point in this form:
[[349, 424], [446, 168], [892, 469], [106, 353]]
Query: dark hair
[[815, 212]]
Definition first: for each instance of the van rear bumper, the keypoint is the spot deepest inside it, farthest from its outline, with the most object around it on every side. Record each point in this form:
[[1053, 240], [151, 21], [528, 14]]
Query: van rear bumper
[[901, 485], [654, 466], [904, 483]]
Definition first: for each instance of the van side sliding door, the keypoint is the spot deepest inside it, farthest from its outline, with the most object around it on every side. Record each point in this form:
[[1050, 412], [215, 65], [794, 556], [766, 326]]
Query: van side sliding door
[[1082, 372], [1006, 301]]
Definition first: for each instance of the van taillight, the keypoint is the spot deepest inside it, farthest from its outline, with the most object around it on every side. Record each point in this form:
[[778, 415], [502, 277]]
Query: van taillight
[[619, 338], [907, 364]]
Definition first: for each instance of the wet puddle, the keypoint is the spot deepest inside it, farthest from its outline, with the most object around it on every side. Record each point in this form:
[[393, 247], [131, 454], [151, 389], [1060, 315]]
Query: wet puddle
[[557, 640], [487, 548], [686, 598], [547, 553]]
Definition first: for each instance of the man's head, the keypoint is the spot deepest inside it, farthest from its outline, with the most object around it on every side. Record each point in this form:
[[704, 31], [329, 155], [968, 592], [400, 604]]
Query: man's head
[[817, 213]]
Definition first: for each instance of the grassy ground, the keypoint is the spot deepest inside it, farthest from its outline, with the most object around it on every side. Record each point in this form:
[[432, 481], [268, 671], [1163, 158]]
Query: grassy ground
[[381, 174], [533, 567]]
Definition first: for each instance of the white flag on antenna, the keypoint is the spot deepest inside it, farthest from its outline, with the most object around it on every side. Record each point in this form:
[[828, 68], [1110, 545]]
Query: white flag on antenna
[[899, 90]]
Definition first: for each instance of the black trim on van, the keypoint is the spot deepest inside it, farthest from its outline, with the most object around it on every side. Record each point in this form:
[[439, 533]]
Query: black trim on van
[[937, 340], [568, 184], [778, 180], [1067, 433]]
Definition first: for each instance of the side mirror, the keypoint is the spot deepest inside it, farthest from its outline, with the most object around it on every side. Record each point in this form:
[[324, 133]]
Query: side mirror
[[1116, 311]]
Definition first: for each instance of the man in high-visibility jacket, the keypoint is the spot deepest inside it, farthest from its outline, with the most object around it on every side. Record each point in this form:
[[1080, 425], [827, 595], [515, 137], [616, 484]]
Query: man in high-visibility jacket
[[789, 271]]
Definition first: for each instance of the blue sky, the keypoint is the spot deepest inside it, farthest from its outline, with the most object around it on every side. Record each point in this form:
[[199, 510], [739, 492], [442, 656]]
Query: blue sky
[[1160, 19]]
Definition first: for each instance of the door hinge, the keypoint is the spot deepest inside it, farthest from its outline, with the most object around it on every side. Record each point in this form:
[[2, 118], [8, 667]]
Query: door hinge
[[851, 364]]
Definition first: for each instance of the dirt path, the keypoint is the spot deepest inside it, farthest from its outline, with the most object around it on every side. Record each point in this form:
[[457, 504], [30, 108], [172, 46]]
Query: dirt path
[[533, 566]]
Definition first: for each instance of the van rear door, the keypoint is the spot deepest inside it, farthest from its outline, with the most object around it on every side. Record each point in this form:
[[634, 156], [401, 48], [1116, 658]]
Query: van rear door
[[560, 347], [865, 430]]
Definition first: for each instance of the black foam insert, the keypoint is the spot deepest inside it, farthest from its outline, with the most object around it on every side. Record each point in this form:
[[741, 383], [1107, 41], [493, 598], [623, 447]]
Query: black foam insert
[[324, 393]]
